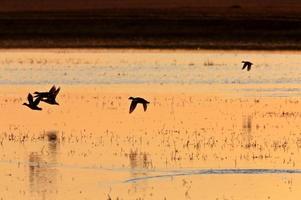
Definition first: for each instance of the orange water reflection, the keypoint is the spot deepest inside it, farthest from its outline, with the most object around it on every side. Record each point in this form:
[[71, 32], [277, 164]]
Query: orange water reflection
[[99, 145]]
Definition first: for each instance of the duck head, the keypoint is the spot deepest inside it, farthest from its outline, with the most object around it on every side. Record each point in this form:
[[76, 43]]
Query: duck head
[[131, 98]]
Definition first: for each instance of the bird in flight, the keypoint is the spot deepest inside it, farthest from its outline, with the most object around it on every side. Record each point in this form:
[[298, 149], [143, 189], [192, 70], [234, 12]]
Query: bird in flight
[[45, 94], [49, 97], [33, 104], [137, 100], [247, 64]]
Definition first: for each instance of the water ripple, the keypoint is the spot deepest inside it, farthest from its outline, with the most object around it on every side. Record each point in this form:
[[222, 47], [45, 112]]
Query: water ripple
[[217, 172]]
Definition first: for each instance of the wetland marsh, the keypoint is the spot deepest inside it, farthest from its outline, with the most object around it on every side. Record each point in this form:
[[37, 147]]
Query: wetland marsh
[[211, 131]]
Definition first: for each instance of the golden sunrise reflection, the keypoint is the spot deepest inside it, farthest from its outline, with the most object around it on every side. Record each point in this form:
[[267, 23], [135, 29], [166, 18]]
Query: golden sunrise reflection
[[211, 130]]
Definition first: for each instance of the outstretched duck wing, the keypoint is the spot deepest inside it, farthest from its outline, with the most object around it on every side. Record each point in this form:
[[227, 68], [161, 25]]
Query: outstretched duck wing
[[249, 67], [56, 92], [30, 98], [144, 106], [52, 89], [245, 65], [37, 101], [133, 106]]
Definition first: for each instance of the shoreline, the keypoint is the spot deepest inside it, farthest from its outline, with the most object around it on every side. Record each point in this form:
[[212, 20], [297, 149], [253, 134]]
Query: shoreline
[[157, 31], [54, 43]]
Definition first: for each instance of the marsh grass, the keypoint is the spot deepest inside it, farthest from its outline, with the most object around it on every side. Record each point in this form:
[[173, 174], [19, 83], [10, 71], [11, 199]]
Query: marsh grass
[[208, 63], [193, 132]]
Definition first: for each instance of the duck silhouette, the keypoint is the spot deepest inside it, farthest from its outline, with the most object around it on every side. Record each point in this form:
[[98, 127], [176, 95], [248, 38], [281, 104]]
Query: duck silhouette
[[247, 64], [45, 94], [135, 101], [33, 104], [49, 97]]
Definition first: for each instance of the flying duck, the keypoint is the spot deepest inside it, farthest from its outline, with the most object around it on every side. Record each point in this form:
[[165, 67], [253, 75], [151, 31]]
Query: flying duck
[[49, 97], [137, 100], [247, 64], [45, 94], [33, 104]]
